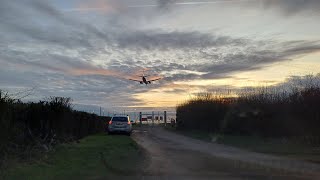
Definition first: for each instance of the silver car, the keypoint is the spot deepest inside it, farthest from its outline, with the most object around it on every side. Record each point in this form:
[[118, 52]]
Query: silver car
[[120, 124]]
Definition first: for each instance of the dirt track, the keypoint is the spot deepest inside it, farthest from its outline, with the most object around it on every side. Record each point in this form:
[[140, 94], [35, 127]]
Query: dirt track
[[173, 156]]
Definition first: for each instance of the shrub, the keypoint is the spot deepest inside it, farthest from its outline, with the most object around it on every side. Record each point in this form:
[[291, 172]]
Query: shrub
[[42, 124], [264, 111], [204, 112]]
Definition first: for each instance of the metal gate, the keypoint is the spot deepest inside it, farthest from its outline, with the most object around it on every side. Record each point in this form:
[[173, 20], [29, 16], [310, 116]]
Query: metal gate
[[157, 117]]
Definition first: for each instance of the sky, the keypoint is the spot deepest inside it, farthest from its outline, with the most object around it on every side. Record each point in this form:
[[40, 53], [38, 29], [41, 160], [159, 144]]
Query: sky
[[87, 49]]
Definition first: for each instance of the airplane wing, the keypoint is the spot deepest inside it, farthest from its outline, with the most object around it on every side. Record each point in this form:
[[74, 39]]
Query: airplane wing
[[134, 80], [156, 79]]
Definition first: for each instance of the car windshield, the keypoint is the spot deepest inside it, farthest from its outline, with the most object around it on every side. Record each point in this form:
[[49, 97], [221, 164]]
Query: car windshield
[[120, 119]]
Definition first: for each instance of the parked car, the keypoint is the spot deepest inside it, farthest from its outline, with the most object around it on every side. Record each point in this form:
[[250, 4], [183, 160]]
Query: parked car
[[120, 124]]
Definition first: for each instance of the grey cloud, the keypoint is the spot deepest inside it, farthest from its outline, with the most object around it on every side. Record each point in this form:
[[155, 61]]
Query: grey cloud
[[181, 77], [247, 60], [90, 89], [26, 22], [259, 58], [165, 4], [241, 61], [11, 78], [168, 67], [289, 7], [168, 40], [37, 23], [302, 48], [43, 61], [286, 7]]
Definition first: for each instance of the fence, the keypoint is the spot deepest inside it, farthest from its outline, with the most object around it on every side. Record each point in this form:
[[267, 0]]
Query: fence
[[157, 117]]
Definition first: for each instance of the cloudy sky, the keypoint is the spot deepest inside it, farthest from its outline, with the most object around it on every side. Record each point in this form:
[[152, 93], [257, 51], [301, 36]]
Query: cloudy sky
[[86, 49]]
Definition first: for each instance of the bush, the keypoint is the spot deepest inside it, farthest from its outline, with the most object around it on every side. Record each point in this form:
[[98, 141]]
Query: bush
[[43, 124], [262, 112], [205, 112]]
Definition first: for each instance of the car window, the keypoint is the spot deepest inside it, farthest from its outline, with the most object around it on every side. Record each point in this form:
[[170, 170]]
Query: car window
[[120, 119]]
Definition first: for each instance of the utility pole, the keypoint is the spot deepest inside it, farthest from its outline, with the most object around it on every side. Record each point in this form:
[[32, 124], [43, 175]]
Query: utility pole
[[100, 110]]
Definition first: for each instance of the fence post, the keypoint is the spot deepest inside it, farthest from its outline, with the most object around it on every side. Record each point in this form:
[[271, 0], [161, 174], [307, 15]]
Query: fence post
[[152, 118], [140, 117], [165, 118]]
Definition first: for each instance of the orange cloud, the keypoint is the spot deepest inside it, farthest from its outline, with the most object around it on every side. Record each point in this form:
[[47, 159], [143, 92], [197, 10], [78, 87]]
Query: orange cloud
[[103, 72], [105, 6], [99, 71]]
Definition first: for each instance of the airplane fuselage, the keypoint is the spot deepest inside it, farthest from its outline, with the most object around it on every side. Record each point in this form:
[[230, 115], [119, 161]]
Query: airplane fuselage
[[144, 80]]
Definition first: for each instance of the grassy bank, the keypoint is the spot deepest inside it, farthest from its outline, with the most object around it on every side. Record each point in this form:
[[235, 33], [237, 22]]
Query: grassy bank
[[94, 157], [282, 147]]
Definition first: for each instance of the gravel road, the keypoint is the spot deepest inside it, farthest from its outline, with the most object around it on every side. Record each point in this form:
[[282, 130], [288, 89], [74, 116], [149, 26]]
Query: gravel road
[[173, 156]]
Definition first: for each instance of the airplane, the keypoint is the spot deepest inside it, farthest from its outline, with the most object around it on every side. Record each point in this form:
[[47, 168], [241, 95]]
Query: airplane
[[144, 79]]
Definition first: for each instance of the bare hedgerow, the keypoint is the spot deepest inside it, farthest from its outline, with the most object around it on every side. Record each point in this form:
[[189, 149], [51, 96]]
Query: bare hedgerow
[[29, 128], [277, 111]]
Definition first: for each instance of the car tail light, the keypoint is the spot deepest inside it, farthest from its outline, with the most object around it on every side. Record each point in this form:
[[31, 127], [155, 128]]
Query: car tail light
[[129, 122], [110, 122]]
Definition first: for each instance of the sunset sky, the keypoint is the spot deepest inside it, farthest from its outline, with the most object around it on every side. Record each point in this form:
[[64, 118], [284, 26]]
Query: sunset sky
[[87, 49]]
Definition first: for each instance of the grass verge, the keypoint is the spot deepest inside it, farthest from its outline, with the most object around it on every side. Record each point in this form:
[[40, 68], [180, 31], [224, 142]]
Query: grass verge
[[94, 157], [281, 147]]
